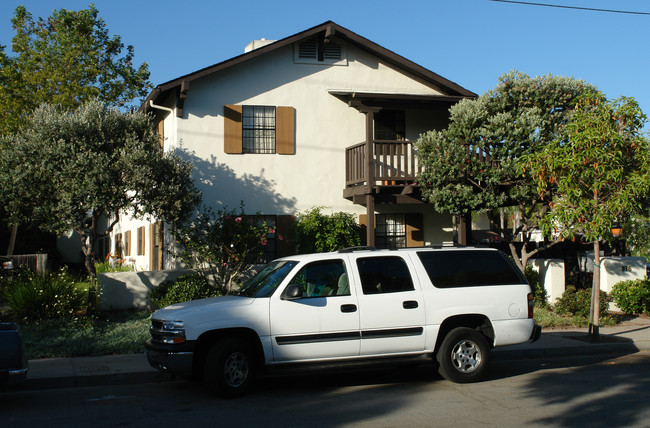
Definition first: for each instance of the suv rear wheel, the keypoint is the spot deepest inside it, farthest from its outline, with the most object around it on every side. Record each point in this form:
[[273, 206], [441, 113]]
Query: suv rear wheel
[[229, 368], [464, 355]]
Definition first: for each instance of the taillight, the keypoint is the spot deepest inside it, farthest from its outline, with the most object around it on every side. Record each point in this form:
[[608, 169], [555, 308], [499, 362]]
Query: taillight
[[530, 305]]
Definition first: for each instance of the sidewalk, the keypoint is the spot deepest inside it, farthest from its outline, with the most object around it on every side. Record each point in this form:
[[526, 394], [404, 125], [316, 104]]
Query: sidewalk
[[629, 337]]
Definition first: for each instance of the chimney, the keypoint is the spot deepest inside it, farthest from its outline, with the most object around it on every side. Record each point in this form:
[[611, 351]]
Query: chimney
[[255, 44]]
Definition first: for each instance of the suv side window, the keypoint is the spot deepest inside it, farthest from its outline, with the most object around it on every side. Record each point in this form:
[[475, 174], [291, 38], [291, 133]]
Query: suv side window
[[323, 278], [384, 275], [469, 268]]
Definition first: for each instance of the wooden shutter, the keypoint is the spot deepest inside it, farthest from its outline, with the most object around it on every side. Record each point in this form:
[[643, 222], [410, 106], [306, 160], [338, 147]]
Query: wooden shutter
[[414, 230], [286, 228], [285, 130], [232, 129], [141, 241], [127, 243], [161, 134]]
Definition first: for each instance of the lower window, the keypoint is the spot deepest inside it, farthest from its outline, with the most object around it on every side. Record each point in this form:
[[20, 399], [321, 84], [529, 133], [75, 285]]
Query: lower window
[[390, 231]]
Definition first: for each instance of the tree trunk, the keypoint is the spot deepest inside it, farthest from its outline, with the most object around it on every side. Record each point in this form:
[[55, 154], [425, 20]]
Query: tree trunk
[[87, 244], [12, 239], [594, 315]]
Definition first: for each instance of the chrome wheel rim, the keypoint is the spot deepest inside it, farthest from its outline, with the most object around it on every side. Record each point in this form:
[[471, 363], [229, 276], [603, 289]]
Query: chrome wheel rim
[[466, 356], [235, 370]]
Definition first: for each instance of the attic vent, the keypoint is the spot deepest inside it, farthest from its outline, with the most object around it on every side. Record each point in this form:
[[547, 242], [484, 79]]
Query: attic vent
[[332, 51], [313, 51], [308, 49]]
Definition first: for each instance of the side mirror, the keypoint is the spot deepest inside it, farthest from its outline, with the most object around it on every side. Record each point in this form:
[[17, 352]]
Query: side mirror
[[293, 292]]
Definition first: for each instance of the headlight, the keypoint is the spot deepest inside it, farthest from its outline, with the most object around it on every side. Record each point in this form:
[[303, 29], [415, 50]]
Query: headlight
[[167, 331], [172, 325]]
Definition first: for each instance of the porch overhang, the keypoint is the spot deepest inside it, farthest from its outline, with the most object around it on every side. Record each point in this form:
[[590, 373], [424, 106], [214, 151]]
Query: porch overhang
[[396, 100]]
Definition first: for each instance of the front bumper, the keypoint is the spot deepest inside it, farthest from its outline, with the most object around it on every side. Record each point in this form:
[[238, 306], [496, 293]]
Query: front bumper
[[175, 359]]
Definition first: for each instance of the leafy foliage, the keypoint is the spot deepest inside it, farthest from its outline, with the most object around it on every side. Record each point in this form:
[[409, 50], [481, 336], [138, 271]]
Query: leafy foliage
[[37, 296], [539, 292], [632, 297], [221, 245], [473, 164], [66, 59], [598, 172], [182, 289], [318, 232], [66, 170], [578, 302]]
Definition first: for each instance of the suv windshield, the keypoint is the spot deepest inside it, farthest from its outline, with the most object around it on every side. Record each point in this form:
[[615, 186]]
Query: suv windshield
[[267, 280]]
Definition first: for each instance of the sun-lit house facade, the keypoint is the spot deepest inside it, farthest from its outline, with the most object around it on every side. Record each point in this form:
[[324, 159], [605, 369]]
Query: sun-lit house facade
[[323, 118]]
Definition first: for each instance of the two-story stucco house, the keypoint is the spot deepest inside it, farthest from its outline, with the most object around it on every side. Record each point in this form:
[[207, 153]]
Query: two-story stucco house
[[322, 118]]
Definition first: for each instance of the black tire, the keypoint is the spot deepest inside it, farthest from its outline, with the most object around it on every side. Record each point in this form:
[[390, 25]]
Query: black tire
[[464, 356], [229, 368]]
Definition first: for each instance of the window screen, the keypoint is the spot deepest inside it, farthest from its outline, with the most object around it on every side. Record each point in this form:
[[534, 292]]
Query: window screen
[[468, 268]]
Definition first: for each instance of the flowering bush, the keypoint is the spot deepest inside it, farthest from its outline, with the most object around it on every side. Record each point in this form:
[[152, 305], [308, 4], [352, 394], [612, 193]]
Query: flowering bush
[[221, 245], [37, 296], [112, 263]]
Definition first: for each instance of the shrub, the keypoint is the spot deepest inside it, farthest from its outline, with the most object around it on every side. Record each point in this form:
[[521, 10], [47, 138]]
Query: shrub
[[113, 264], [633, 297], [182, 289], [539, 292], [220, 245], [578, 302], [37, 296], [318, 232]]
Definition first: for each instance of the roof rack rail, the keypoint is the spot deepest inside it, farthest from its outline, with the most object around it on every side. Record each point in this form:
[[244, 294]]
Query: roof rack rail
[[359, 248]]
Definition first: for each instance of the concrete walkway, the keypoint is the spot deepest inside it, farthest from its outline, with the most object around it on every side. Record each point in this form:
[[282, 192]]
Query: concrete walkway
[[629, 337]]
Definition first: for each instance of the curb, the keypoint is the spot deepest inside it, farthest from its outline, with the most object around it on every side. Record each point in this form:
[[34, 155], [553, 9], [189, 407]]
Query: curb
[[73, 381]]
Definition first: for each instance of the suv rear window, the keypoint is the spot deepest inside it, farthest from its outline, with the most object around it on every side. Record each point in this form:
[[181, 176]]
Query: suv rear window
[[384, 275], [469, 268]]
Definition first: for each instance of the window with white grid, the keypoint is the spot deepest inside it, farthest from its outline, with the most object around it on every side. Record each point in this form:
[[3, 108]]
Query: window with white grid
[[390, 231]]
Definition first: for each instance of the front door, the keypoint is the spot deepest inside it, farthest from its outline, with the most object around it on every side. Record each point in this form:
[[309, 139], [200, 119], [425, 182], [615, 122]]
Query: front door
[[324, 322]]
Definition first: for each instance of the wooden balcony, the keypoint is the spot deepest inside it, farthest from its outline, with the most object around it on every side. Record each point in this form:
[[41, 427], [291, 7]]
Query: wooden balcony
[[391, 172]]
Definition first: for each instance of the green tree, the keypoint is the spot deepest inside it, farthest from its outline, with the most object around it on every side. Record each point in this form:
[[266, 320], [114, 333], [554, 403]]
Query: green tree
[[472, 164], [221, 245], [67, 59], [317, 232], [69, 170], [594, 175]]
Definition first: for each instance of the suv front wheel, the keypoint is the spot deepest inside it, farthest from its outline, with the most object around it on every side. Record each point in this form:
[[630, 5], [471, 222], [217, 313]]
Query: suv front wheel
[[464, 355], [229, 368]]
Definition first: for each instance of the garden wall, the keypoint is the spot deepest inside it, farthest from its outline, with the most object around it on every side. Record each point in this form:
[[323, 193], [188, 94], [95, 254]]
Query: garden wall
[[551, 277], [129, 290]]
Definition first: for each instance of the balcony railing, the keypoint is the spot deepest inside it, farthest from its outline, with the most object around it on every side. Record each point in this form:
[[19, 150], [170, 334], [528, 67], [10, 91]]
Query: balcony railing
[[393, 163]]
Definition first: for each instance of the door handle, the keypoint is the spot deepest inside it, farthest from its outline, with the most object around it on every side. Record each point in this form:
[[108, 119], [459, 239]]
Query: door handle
[[410, 304], [348, 308]]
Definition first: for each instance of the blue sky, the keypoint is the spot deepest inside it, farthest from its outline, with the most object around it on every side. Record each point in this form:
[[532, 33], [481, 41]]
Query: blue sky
[[470, 42]]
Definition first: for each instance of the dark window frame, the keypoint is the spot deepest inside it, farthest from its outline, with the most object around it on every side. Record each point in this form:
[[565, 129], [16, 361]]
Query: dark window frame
[[259, 129]]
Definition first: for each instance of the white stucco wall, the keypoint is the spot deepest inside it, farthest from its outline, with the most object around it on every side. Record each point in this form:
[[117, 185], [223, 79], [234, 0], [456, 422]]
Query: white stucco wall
[[617, 269], [551, 277], [325, 126]]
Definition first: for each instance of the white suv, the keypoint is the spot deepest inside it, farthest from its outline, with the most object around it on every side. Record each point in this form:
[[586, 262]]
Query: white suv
[[448, 305]]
